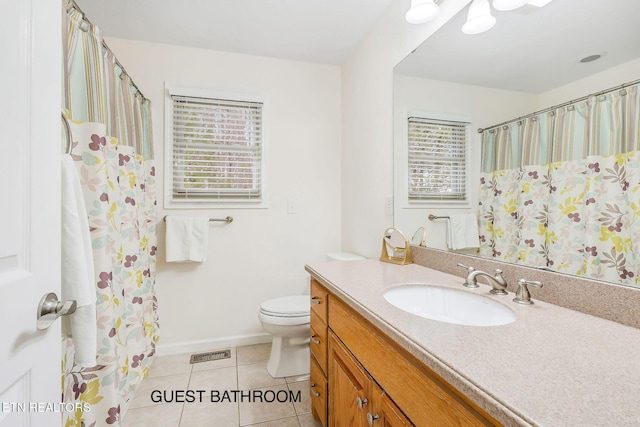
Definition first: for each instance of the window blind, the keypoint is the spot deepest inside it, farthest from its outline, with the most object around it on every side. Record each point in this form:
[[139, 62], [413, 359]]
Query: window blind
[[217, 149], [437, 163]]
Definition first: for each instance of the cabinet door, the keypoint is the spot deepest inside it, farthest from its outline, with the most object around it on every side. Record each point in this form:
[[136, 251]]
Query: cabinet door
[[349, 388], [385, 413]]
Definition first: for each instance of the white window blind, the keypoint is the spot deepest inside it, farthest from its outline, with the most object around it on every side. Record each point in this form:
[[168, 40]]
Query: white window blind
[[437, 156], [217, 149]]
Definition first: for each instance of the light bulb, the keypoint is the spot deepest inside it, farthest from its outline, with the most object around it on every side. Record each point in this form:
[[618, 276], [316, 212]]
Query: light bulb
[[479, 18], [421, 11], [504, 5]]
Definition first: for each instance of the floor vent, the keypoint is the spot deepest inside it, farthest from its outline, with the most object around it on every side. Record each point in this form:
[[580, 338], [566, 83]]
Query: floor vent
[[210, 355]]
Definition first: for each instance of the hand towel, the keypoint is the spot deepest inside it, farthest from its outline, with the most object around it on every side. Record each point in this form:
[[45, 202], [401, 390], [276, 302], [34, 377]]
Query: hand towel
[[462, 231], [77, 271], [187, 238]]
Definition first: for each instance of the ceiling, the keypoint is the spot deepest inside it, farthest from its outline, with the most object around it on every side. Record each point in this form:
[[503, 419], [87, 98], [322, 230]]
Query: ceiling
[[532, 49], [324, 31]]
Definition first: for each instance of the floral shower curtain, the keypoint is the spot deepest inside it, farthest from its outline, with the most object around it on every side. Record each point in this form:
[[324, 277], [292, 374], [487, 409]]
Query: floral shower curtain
[[112, 148], [561, 190]]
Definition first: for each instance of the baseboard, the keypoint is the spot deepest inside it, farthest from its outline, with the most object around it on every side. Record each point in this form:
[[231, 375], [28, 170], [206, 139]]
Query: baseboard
[[211, 344]]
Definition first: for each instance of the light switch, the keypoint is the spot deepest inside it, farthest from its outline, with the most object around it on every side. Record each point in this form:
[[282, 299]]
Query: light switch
[[292, 205]]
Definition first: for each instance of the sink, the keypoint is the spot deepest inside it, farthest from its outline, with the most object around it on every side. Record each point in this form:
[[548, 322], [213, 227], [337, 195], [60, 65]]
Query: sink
[[449, 305]]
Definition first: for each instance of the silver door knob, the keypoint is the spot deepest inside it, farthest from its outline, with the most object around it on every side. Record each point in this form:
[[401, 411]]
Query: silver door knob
[[50, 309]]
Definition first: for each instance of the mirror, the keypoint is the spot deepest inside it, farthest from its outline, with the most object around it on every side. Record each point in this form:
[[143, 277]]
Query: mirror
[[396, 248], [529, 61]]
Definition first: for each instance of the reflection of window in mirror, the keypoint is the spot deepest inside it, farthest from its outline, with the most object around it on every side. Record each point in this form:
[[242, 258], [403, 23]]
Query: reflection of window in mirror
[[437, 160]]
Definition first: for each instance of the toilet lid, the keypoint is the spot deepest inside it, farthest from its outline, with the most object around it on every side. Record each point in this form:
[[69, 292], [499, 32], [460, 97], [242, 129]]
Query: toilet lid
[[290, 306]]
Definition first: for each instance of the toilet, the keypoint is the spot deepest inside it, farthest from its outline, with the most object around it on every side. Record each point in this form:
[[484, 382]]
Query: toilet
[[287, 319]]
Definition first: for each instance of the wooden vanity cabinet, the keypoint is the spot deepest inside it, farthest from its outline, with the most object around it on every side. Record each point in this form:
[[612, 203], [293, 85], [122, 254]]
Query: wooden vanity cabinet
[[355, 399], [319, 300], [370, 380]]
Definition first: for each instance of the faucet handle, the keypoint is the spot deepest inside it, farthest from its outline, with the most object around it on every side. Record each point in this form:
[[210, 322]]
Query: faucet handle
[[469, 269], [522, 295]]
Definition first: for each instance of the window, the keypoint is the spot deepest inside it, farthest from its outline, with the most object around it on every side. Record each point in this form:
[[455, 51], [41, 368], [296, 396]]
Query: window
[[216, 150], [437, 151]]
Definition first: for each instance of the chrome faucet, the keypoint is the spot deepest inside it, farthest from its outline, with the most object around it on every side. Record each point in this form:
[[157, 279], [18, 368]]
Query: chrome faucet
[[497, 282]]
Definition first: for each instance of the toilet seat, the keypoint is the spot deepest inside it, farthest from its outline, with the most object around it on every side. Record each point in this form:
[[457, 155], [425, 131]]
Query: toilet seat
[[289, 306], [289, 310]]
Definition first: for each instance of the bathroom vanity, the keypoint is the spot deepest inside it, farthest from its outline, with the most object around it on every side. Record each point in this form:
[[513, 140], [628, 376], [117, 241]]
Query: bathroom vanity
[[374, 364]]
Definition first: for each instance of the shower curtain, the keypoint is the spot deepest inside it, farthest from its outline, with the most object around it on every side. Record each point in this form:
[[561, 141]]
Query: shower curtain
[[561, 190], [112, 149]]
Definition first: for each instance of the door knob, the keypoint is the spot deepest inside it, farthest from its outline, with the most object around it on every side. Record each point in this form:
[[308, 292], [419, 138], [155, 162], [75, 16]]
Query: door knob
[[50, 309]]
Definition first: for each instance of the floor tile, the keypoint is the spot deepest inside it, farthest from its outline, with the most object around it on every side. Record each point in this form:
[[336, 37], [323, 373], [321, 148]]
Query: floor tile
[[165, 415], [253, 353], [214, 379], [170, 365], [297, 378], [304, 406], [307, 420], [209, 414], [168, 384], [215, 364], [284, 422], [255, 375], [260, 412]]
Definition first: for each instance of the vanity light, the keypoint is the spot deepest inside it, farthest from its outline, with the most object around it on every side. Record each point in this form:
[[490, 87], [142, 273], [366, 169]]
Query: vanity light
[[504, 5], [479, 18], [422, 11]]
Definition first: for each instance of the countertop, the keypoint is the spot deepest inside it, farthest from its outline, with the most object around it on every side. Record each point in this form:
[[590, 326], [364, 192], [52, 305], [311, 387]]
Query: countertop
[[551, 367]]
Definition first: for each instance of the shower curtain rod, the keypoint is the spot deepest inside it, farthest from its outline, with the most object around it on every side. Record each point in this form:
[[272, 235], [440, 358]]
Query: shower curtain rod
[[74, 5], [564, 104]]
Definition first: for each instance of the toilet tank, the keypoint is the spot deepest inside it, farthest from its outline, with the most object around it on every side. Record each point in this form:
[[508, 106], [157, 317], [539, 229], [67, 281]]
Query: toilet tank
[[343, 256]]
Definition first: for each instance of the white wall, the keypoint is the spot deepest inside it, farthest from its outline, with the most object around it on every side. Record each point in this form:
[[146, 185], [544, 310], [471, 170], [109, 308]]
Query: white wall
[[367, 126], [482, 106], [262, 253], [607, 79]]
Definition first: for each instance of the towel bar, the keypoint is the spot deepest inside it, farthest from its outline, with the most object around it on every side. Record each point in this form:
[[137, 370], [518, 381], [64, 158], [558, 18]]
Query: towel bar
[[228, 219], [432, 217]]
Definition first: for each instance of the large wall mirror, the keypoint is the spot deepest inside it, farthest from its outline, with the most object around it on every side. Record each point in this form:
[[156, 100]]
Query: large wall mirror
[[529, 61]]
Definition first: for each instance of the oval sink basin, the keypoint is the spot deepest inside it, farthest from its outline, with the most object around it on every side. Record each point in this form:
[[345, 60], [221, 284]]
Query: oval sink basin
[[449, 305]]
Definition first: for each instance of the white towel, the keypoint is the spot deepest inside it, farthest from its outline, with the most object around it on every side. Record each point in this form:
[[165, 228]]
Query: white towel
[[462, 232], [77, 274], [187, 238]]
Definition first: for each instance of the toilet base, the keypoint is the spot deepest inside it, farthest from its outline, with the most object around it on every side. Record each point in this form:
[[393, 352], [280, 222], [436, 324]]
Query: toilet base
[[289, 357]]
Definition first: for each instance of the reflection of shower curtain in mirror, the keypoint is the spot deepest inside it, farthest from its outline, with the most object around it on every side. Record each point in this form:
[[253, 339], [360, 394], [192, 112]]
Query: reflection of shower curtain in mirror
[[561, 190], [112, 149]]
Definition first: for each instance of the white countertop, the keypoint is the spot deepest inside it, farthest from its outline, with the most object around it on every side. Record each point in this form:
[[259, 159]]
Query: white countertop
[[551, 367]]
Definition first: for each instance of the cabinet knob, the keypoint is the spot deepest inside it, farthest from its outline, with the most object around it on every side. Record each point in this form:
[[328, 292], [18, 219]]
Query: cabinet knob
[[361, 402], [371, 418], [315, 300], [315, 393], [314, 340]]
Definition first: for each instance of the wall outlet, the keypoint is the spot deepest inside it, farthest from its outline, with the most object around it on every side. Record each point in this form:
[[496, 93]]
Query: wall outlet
[[388, 205]]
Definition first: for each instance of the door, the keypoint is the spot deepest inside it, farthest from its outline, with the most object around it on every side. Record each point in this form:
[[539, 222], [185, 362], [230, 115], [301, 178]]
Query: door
[[349, 387], [30, 129]]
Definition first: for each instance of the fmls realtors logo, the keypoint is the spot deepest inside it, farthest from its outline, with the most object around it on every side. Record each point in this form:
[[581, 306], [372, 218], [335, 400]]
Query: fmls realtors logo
[[219, 396]]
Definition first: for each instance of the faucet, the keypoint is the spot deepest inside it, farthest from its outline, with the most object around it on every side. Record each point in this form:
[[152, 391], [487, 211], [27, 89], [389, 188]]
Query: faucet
[[497, 282]]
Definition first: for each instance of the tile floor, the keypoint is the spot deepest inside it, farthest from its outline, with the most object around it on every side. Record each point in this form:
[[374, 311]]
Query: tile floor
[[245, 370]]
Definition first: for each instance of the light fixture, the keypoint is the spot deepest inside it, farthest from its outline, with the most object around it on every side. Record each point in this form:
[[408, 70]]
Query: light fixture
[[421, 11], [504, 5], [479, 18]]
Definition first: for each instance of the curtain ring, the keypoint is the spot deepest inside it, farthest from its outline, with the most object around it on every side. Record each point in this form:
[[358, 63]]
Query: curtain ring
[[505, 127], [492, 131], [622, 92], [570, 107], [552, 113], [84, 25]]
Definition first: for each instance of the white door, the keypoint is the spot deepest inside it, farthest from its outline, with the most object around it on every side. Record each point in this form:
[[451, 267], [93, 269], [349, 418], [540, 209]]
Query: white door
[[30, 123]]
